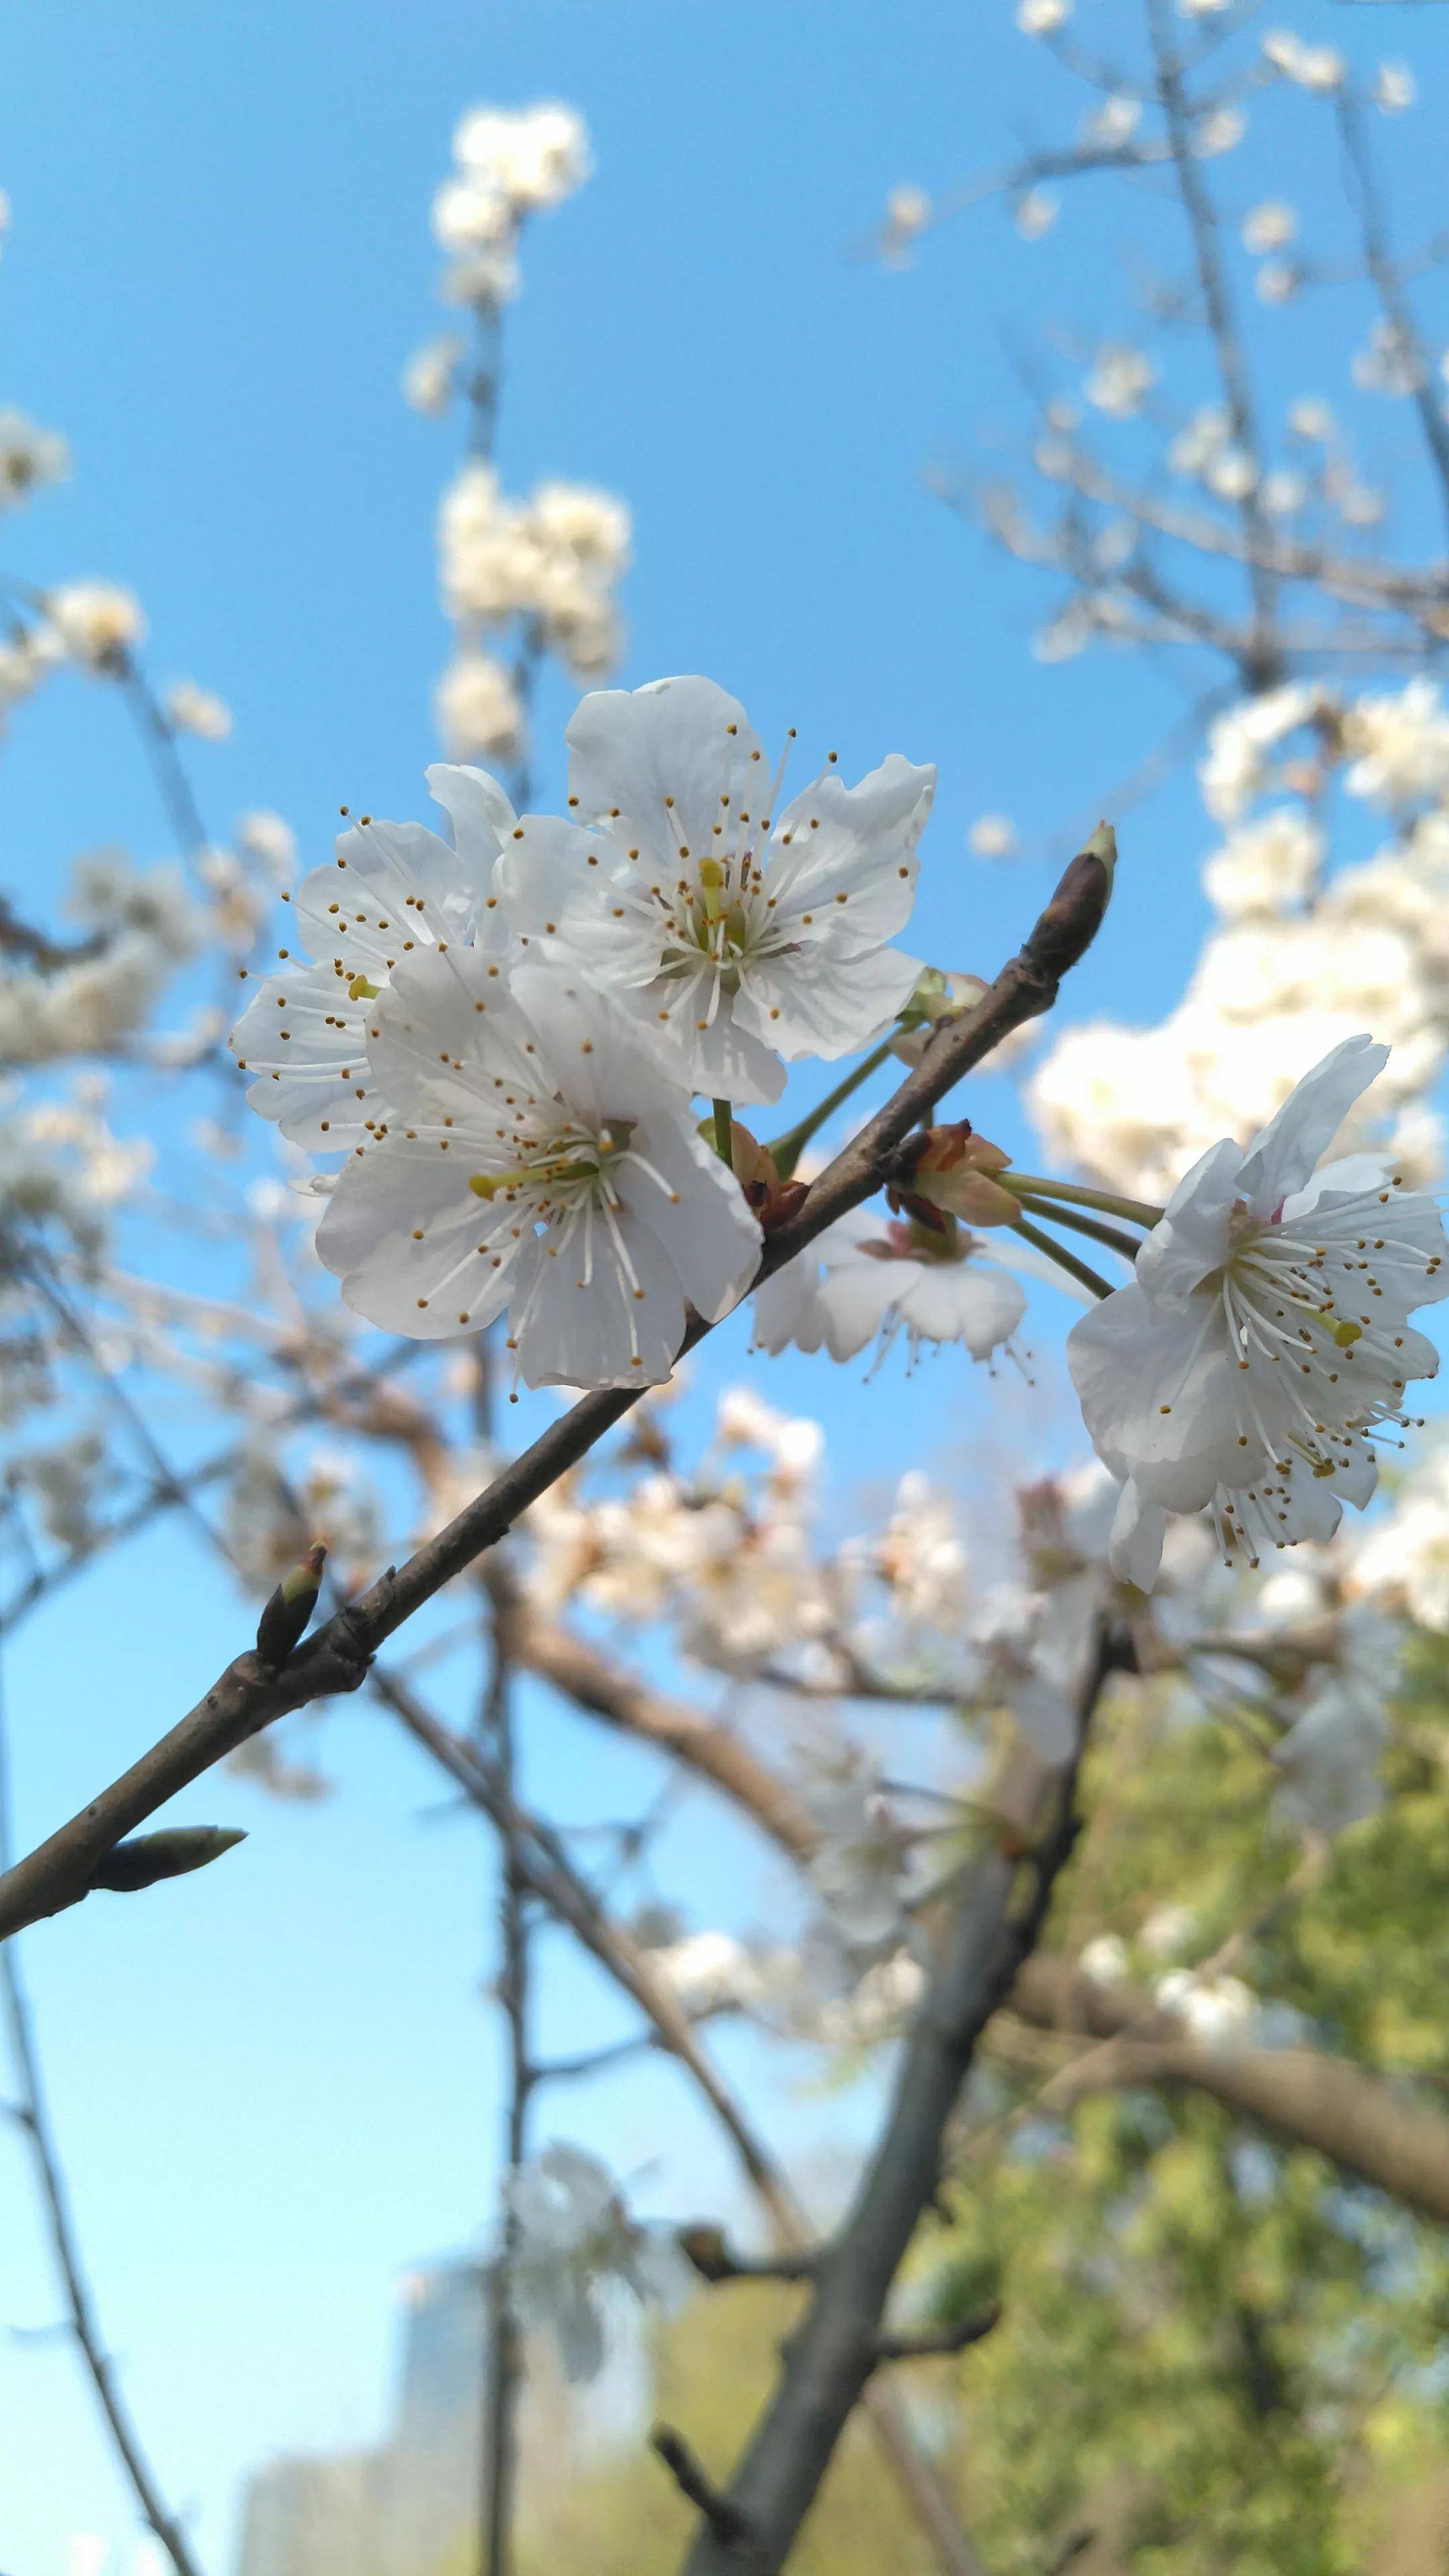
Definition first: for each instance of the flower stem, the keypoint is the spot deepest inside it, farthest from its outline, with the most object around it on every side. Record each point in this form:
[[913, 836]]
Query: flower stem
[[723, 1132], [1111, 1235], [1137, 1211], [786, 1150], [1064, 1260]]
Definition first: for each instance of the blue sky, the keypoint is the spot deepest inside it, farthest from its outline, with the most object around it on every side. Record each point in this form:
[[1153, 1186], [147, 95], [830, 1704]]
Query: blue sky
[[279, 2091]]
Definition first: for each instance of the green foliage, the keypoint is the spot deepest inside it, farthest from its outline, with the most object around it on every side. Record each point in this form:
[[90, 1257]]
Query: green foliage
[[1217, 2354]]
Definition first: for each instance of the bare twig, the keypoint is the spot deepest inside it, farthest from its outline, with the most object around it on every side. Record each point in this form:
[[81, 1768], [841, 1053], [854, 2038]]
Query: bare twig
[[933, 2342], [1262, 661], [695, 2483], [31, 2114]]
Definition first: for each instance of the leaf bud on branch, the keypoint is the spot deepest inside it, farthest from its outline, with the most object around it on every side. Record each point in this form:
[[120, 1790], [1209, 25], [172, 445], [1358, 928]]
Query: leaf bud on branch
[[285, 1617], [146, 1858]]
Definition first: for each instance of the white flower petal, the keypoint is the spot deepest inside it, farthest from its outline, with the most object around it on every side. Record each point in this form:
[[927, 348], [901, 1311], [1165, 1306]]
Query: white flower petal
[[963, 1301], [475, 805], [715, 1239], [857, 842], [415, 1251], [1158, 1396], [620, 1326], [819, 1003], [787, 1308], [853, 1301], [305, 1042], [552, 877], [1282, 1158], [656, 762], [1135, 1546]]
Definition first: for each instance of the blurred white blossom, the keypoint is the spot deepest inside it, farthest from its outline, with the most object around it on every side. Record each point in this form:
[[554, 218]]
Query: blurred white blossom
[[194, 710], [576, 2241], [29, 457], [96, 622]]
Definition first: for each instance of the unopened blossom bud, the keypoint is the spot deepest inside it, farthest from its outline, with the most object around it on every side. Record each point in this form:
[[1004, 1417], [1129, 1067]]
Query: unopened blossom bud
[[937, 996], [289, 1609], [168, 1854], [949, 1171], [1075, 914]]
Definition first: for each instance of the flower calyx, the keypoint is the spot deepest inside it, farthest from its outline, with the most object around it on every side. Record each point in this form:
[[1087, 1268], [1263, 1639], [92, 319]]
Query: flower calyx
[[938, 995], [944, 1172], [772, 1200]]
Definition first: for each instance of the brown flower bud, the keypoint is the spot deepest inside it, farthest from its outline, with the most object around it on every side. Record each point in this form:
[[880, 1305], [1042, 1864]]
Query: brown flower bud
[[1071, 921]]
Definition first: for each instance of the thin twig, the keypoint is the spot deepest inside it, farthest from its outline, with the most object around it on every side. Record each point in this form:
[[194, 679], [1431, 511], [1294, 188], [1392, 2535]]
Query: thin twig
[[31, 2113]]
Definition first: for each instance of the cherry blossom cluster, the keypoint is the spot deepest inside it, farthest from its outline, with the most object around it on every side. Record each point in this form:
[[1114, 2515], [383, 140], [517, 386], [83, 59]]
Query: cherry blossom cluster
[[502, 1031], [1302, 953], [520, 579]]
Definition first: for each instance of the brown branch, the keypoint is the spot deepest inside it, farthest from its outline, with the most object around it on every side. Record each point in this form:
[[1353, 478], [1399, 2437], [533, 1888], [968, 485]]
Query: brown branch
[[1360, 2121], [588, 1677], [245, 1697], [715, 2259], [993, 1925], [698, 2487], [939, 2340]]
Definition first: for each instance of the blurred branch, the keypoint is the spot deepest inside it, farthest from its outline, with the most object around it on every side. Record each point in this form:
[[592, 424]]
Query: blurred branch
[[31, 2113], [1367, 197], [504, 2383], [992, 1927], [936, 2342], [1361, 2122], [1261, 657]]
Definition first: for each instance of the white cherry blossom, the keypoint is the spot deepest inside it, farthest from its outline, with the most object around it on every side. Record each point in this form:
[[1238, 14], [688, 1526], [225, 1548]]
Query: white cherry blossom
[[96, 622], [478, 708], [1264, 1335], [395, 889], [1265, 866], [1218, 2012], [1329, 1760], [747, 940], [29, 457], [539, 1155], [576, 2240], [866, 1276]]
